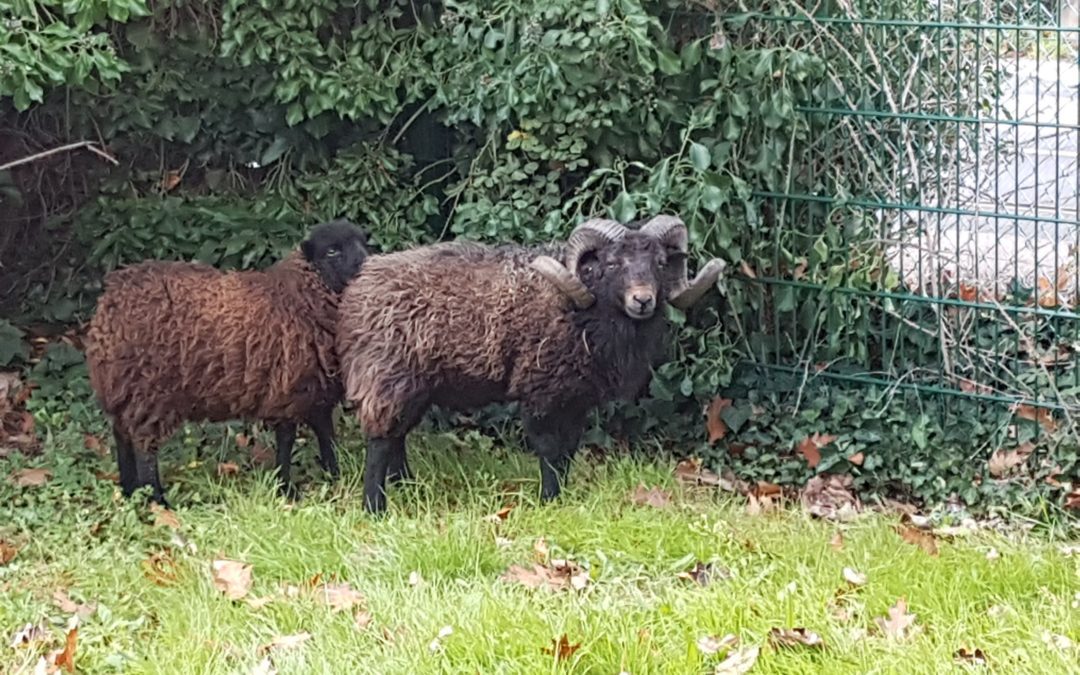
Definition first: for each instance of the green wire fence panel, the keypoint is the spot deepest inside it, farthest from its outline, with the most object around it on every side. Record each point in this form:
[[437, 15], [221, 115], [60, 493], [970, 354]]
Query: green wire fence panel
[[927, 235]]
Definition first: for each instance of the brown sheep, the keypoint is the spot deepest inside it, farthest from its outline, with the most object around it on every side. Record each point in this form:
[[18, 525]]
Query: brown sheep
[[176, 341], [560, 329]]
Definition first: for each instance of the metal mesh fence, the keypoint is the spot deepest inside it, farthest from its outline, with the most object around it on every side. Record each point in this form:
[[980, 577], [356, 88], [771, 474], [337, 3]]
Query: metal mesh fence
[[946, 259]]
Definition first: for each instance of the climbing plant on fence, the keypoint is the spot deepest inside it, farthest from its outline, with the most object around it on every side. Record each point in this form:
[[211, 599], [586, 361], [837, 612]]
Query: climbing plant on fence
[[234, 125]]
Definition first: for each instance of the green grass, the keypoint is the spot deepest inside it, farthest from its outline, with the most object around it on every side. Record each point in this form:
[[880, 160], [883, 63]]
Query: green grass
[[634, 616]]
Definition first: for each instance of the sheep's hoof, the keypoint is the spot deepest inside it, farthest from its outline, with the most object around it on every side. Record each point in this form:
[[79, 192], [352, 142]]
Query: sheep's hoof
[[331, 467], [399, 475], [290, 492]]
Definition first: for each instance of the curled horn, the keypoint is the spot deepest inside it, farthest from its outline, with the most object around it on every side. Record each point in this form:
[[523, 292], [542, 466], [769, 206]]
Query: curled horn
[[672, 233], [588, 236]]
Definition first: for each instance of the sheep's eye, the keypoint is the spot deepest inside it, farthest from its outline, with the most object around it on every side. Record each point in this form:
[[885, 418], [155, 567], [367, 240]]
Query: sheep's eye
[[332, 251]]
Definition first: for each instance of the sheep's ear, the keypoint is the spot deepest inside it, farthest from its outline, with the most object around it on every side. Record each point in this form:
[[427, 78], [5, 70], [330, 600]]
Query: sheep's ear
[[308, 249]]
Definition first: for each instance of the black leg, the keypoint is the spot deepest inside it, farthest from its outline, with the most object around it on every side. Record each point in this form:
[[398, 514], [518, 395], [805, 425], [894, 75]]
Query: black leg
[[554, 439], [322, 423], [146, 467], [286, 435], [397, 466], [125, 464], [376, 461]]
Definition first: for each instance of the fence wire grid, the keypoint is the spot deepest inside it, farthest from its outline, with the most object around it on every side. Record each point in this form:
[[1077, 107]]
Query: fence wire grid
[[969, 117]]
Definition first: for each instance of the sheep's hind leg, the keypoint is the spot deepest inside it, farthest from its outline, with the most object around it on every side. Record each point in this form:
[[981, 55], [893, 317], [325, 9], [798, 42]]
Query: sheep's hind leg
[[322, 423], [376, 461], [286, 436]]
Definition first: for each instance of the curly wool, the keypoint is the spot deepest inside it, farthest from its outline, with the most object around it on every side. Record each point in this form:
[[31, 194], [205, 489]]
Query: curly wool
[[461, 325], [176, 341]]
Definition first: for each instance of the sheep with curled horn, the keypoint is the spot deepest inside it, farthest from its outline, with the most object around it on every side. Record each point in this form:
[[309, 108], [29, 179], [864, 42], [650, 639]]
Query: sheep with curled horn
[[559, 328]]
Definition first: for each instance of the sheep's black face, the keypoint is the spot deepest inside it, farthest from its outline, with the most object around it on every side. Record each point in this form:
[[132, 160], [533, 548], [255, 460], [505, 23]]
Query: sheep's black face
[[627, 275], [337, 251]]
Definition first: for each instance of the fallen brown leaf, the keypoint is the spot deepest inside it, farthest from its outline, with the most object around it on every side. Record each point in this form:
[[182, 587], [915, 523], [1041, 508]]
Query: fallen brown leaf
[[829, 496], [500, 515], [1072, 500], [66, 658], [258, 603], [738, 661], [794, 637], [922, 539], [170, 180], [231, 578], [654, 497], [540, 550], [1003, 461], [690, 472], [857, 459], [164, 517], [714, 423], [837, 542], [800, 270], [562, 649], [341, 597], [973, 656], [242, 440], [226, 469], [160, 568], [756, 506], [747, 271], [1043, 416], [702, 573], [69, 606], [7, 552], [898, 624], [810, 448], [854, 578], [92, 442], [30, 477], [766, 489], [562, 574], [710, 644], [282, 642], [27, 634], [362, 620]]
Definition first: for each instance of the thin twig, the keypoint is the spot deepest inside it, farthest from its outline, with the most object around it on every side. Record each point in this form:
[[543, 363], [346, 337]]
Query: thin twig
[[55, 151]]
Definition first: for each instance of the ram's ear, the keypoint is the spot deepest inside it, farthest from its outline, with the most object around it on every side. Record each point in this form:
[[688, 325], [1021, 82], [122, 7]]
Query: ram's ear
[[308, 249]]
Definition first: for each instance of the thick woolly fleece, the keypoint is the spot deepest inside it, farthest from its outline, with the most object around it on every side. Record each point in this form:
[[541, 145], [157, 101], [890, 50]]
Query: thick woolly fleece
[[461, 325], [176, 341]]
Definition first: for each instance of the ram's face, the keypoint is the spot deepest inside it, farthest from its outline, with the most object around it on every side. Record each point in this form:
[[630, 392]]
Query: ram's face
[[627, 275], [337, 251]]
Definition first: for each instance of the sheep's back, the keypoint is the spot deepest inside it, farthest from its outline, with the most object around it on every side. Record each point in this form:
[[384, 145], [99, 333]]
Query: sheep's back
[[173, 341], [465, 323]]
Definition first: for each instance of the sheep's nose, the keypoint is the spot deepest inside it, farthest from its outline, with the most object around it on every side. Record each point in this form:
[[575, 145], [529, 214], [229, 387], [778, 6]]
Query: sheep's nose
[[644, 301]]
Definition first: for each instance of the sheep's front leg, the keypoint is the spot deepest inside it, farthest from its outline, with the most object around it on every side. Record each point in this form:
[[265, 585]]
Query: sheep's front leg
[[322, 423], [376, 461], [126, 464], [554, 438], [146, 468], [397, 466], [286, 436]]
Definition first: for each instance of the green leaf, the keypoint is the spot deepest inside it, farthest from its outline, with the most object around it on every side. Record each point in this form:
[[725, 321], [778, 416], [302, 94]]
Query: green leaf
[[699, 156], [668, 62], [276, 150], [623, 208], [12, 346], [712, 198]]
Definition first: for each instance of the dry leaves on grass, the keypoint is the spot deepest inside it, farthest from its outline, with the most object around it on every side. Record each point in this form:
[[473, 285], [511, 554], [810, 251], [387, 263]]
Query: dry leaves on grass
[[898, 624], [924, 540], [65, 658], [559, 575], [691, 473], [284, 642], [756, 506], [654, 497], [854, 578], [160, 568], [69, 606], [499, 515], [837, 542], [714, 421], [562, 648], [231, 578], [362, 620], [738, 661], [30, 477], [226, 469], [1002, 462], [163, 517], [810, 448], [1072, 500], [703, 573], [27, 634], [8, 551], [341, 597], [830, 497], [710, 644], [789, 638], [975, 657]]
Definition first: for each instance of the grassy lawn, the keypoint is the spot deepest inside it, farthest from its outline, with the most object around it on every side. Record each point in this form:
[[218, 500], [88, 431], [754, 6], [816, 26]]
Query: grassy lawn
[[420, 591]]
